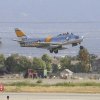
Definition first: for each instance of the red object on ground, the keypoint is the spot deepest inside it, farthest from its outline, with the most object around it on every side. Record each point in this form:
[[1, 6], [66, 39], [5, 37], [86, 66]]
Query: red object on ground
[[1, 87]]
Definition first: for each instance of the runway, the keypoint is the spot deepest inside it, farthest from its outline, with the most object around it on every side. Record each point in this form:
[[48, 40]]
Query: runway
[[48, 96]]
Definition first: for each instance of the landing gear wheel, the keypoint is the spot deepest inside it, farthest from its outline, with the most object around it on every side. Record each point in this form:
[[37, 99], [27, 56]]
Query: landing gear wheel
[[55, 51], [51, 51], [81, 47]]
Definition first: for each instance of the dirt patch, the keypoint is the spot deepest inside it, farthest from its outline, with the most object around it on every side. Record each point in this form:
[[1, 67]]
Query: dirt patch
[[53, 89]]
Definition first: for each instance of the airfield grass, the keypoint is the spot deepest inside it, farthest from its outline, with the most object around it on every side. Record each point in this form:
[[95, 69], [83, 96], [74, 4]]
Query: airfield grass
[[85, 87], [53, 89]]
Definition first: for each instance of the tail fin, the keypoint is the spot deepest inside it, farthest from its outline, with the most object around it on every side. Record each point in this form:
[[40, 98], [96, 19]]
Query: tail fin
[[19, 33], [22, 37]]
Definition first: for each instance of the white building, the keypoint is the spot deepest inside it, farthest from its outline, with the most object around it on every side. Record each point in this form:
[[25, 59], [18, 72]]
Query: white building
[[66, 73]]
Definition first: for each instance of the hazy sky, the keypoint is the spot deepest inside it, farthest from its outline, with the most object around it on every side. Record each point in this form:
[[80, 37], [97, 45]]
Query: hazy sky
[[49, 10]]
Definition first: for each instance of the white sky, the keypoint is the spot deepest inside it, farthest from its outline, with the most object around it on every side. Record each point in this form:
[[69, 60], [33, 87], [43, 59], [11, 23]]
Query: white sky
[[49, 10]]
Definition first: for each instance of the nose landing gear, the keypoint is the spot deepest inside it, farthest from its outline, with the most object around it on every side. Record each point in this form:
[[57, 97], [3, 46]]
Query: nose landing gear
[[81, 47]]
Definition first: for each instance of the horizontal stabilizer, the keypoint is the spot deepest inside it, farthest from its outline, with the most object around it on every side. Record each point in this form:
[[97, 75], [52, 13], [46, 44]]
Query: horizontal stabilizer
[[17, 40]]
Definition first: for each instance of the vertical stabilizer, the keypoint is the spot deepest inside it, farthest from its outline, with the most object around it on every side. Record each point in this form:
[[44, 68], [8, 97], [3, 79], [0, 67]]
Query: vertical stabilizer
[[19, 33]]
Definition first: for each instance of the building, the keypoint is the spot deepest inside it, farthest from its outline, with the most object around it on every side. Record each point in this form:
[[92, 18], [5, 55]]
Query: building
[[66, 73]]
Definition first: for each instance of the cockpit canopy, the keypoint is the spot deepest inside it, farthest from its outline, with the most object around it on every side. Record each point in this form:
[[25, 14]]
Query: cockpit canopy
[[64, 34], [70, 35]]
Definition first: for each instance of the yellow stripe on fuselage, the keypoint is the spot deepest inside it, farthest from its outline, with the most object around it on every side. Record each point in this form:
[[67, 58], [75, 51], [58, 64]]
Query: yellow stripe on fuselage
[[48, 39]]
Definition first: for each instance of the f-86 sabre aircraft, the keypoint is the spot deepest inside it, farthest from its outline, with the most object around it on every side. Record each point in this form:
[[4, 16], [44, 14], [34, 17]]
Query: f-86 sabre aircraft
[[53, 44]]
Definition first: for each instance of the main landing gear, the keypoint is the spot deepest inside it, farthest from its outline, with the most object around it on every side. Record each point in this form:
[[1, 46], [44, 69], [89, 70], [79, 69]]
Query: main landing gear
[[55, 51]]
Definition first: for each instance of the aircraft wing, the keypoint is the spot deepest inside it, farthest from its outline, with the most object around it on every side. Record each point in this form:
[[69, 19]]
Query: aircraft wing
[[55, 43], [48, 43], [16, 40], [58, 45], [51, 45]]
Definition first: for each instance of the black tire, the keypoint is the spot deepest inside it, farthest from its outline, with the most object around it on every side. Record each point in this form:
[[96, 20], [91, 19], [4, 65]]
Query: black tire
[[81, 47], [56, 51], [51, 51]]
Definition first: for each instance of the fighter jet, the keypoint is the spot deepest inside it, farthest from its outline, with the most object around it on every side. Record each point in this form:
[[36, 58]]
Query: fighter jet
[[53, 44]]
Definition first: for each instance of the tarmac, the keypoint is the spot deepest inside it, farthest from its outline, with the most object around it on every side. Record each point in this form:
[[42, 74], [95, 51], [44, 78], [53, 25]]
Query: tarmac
[[48, 96]]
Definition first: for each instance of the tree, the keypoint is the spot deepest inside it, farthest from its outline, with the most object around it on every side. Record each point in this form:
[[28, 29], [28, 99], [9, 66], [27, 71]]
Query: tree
[[65, 63], [23, 63], [55, 68], [10, 63], [38, 63], [46, 58], [49, 67], [48, 61], [84, 59], [2, 60], [16, 63]]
